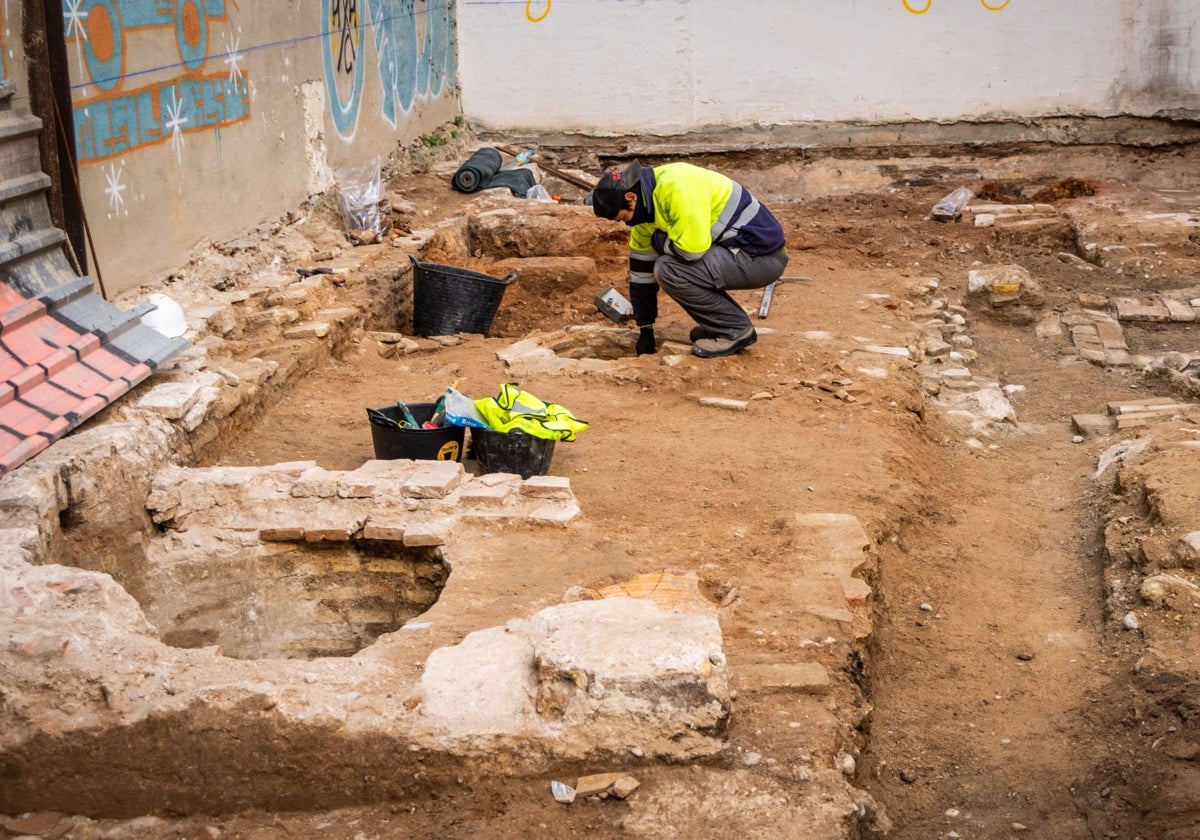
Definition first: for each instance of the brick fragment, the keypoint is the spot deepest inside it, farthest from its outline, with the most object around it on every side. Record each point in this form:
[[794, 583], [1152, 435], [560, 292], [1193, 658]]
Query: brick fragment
[[430, 533], [547, 487], [434, 480], [281, 534], [796, 677]]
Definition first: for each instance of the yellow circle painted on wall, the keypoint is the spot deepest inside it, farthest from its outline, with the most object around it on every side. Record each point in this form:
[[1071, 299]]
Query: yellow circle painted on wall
[[992, 8], [529, 13], [449, 451], [928, 3]]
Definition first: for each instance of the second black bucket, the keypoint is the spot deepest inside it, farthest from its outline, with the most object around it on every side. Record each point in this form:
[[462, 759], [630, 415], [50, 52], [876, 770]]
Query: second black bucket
[[511, 452], [449, 300], [393, 442]]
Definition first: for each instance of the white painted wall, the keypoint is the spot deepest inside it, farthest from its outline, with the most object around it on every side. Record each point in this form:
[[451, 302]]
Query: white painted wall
[[670, 66]]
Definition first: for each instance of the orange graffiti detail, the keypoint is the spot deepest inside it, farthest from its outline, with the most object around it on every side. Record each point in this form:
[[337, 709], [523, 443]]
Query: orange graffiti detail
[[101, 32], [994, 8], [529, 16], [191, 23], [928, 3]]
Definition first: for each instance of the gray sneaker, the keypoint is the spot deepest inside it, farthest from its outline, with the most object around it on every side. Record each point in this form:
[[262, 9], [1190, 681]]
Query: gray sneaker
[[711, 348], [698, 333]]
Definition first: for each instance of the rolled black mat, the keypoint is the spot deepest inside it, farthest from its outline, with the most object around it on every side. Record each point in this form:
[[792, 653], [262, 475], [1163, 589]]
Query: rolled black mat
[[477, 171], [517, 180]]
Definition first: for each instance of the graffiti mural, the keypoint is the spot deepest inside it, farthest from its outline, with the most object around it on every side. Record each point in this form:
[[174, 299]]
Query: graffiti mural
[[122, 118], [414, 54]]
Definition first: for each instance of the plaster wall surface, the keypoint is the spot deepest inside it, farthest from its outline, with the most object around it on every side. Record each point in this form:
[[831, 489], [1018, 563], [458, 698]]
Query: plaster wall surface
[[654, 67], [197, 121]]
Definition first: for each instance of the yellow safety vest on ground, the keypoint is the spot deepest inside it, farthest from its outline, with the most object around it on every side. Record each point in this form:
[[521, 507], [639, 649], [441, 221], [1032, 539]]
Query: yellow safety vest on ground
[[516, 409]]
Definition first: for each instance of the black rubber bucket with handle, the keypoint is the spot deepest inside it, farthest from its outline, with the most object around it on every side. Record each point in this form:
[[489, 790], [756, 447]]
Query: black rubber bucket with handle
[[511, 452], [393, 442], [449, 300]]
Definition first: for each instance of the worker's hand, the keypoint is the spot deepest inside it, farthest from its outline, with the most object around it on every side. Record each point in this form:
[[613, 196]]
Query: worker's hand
[[658, 241], [645, 342]]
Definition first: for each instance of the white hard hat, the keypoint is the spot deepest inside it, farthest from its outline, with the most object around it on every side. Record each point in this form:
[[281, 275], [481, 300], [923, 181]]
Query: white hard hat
[[166, 317]]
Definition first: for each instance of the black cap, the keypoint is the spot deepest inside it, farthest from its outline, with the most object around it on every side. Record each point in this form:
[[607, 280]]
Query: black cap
[[608, 197]]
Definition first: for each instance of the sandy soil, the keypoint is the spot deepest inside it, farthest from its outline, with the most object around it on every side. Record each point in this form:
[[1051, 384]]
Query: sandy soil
[[997, 683]]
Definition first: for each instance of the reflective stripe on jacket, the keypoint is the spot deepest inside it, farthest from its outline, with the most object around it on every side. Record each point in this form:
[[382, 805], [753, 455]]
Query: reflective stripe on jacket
[[698, 208]]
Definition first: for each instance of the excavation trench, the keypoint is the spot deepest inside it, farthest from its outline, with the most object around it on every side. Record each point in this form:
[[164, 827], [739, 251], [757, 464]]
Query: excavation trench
[[285, 600], [897, 602]]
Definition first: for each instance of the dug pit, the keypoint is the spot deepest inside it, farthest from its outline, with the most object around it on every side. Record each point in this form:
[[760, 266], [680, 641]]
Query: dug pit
[[284, 600]]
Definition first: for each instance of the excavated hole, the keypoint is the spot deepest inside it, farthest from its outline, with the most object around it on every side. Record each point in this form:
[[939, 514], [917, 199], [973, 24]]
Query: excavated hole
[[290, 600]]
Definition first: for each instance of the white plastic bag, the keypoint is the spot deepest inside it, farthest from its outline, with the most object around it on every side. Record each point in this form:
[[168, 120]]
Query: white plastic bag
[[538, 193], [461, 411], [365, 213]]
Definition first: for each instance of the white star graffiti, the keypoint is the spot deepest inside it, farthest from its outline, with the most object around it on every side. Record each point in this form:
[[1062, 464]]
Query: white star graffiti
[[116, 201], [232, 57], [75, 17], [175, 123]]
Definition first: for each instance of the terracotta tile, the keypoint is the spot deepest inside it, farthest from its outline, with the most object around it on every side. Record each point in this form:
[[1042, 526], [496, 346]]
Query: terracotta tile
[[8, 439], [104, 362], [81, 381], [12, 458], [9, 366], [10, 297], [116, 388], [28, 378], [90, 407], [51, 399], [85, 344], [53, 377], [137, 373], [24, 419], [15, 317], [59, 361]]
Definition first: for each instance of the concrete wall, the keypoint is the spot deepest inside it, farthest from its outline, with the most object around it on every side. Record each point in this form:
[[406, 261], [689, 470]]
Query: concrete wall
[[671, 66], [200, 119]]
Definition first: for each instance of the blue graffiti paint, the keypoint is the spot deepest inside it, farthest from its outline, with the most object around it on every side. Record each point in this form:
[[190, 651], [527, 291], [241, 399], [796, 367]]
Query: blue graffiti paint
[[120, 16], [438, 55], [116, 125], [342, 32], [407, 69], [395, 25]]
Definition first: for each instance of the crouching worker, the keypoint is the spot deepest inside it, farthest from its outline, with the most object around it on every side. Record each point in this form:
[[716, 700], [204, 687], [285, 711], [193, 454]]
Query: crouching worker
[[697, 234]]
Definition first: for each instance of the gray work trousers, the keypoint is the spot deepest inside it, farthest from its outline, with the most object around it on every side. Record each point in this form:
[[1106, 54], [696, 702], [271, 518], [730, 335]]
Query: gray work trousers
[[700, 287]]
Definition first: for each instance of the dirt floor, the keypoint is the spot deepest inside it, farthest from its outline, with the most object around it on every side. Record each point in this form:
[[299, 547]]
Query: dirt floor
[[1000, 695]]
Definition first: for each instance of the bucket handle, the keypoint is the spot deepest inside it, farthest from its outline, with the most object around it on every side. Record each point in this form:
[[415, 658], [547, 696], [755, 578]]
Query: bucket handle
[[508, 278], [378, 418]]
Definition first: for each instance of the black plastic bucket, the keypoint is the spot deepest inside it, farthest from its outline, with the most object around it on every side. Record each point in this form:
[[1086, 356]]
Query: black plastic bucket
[[449, 300], [511, 452], [392, 442]]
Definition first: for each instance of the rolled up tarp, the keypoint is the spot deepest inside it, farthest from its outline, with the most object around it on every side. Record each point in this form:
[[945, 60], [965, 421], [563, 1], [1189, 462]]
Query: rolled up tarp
[[518, 180], [477, 171]]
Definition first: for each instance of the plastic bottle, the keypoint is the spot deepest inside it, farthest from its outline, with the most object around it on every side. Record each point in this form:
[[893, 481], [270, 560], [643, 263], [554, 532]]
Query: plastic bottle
[[526, 156], [951, 206]]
